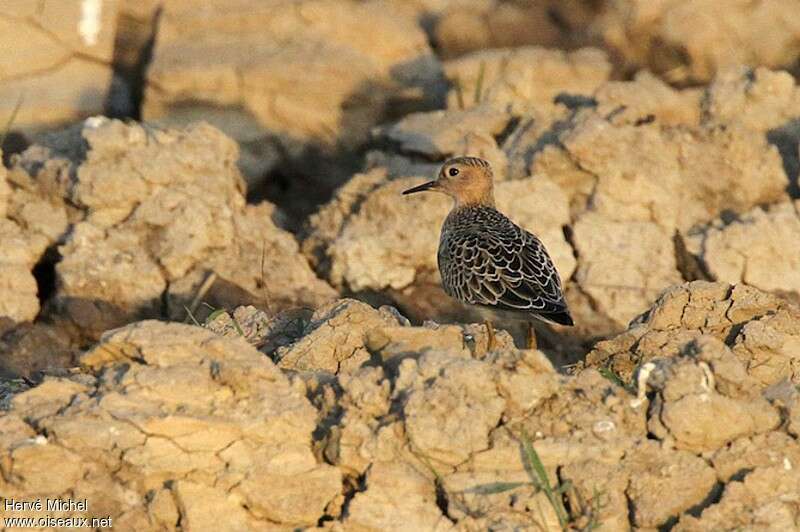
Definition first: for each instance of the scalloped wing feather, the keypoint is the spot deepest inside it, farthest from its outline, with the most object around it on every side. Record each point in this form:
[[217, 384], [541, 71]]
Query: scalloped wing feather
[[485, 259]]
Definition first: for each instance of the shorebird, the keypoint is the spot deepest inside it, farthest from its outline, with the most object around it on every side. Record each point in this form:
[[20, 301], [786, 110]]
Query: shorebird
[[486, 259]]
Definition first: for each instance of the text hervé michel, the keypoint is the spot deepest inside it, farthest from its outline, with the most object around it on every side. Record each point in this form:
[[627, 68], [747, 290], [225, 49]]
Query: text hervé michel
[[11, 506]]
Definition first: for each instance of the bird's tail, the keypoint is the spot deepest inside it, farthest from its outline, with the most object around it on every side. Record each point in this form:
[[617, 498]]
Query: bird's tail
[[560, 318]]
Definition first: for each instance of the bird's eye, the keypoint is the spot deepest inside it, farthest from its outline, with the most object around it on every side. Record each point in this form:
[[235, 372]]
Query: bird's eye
[[453, 172]]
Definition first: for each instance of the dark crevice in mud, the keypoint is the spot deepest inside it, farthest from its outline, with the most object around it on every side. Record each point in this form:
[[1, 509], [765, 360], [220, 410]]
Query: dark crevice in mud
[[736, 328], [562, 482], [427, 20], [35, 426], [13, 143], [299, 186], [382, 143], [118, 372], [551, 137], [786, 139], [740, 475], [168, 485], [324, 519], [713, 497], [326, 435], [569, 236], [668, 525], [137, 94], [165, 306], [511, 143], [351, 486], [126, 94], [559, 20], [615, 112], [575, 101], [397, 406], [45, 274], [295, 193], [647, 119], [442, 501], [631, 509], [509, 128], [689, 266]]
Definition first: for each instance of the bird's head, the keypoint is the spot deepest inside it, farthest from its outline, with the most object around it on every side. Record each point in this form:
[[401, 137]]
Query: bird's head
[[468, 180]]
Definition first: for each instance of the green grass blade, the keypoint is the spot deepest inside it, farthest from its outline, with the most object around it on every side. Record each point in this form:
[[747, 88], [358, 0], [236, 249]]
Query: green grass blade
[[459, 93], [430, 467], [238, 328], [190, 316], [479, 83], [563, 487], [215, 314], [495, 487], [611, 376], [10, 121], [597, 507], [541, 480]]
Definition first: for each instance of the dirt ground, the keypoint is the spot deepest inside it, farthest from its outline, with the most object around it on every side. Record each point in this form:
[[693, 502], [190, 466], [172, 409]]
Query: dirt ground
[[218, 312]]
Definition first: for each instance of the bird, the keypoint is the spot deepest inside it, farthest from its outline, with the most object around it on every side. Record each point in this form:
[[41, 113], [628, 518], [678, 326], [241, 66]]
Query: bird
[[484, 258]]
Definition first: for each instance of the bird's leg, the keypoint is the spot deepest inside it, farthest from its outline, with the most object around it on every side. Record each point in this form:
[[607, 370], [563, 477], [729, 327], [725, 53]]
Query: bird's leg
[[532, 343], [489, 334]]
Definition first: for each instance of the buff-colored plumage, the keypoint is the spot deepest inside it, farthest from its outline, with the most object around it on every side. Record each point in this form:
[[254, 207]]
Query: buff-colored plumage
[[485, 258]]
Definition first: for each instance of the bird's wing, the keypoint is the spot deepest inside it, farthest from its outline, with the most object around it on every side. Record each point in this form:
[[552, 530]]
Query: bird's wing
[[510, 270]]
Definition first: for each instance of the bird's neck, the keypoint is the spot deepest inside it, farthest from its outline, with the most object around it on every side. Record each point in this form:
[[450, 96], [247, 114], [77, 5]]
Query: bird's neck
[[477, 197]]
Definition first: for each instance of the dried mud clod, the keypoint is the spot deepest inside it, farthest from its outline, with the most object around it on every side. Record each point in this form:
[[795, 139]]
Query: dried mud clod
[[392, 425]]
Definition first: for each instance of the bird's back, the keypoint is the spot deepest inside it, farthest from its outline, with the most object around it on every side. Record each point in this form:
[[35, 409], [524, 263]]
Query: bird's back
[[486, 259]]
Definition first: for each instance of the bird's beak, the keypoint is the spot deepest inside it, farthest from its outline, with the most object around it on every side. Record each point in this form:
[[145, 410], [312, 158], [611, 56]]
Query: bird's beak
[[422, 188]]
